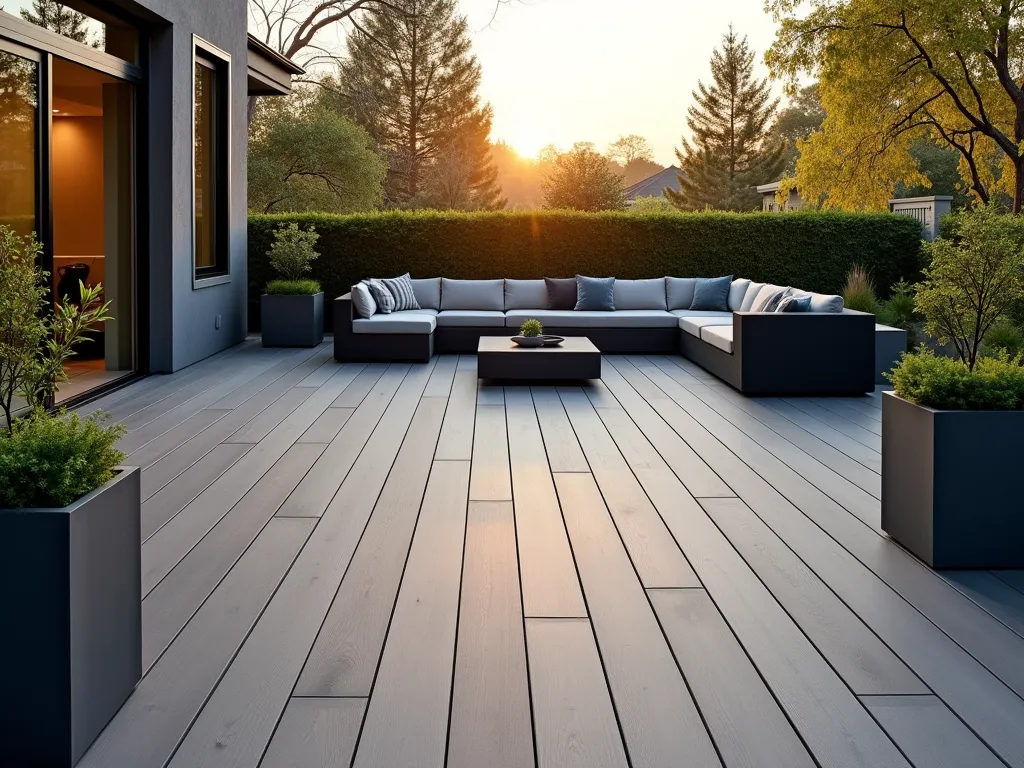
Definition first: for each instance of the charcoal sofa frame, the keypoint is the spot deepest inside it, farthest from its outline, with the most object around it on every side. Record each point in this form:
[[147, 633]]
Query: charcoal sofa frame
[[792, 353], [800, 353]]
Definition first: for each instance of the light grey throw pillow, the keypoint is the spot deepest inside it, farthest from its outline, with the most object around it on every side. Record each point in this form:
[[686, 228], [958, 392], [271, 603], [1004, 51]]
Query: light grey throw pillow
[[595, 294], [362, 301], [737, 291]]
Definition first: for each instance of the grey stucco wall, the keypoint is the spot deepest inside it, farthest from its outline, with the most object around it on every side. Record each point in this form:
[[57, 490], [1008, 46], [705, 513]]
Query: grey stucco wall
[[183, 320]]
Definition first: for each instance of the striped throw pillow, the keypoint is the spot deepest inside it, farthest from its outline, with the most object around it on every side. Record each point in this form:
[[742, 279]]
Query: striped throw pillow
[[381, 296], [401, 289]]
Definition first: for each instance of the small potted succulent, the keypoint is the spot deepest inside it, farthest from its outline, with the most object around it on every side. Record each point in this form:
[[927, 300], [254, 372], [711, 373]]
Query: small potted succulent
[[292, 309], [531, 334], [70, 572], [953, 429]]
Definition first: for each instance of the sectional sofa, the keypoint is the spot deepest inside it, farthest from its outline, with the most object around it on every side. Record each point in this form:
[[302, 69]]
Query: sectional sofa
[[826, 350]]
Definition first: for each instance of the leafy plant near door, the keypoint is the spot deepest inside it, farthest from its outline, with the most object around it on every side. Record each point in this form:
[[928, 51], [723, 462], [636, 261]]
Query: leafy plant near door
[[34, 342]]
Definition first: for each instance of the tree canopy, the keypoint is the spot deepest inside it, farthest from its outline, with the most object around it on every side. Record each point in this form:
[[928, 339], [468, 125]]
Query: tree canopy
[[304, 156], [412, 81], [581, 179], [892, 73], [798, 120], [731, 151]]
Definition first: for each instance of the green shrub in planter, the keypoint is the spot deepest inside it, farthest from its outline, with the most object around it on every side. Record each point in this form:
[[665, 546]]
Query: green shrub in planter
[[994, 384], [292, 287], [52, 461], [1005, 337]]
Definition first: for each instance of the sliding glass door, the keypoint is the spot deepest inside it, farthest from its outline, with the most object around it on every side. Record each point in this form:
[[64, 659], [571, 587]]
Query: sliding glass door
[[67, 174]]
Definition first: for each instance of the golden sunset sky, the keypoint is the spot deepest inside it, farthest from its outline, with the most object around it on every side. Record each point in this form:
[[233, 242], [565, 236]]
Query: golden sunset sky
[[560, 71]]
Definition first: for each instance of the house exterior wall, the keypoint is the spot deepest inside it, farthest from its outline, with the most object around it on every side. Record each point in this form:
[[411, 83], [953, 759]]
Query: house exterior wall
[[188, 323]]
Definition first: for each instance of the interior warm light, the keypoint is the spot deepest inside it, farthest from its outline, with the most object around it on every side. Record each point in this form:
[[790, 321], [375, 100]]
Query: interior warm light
[[56, 111]]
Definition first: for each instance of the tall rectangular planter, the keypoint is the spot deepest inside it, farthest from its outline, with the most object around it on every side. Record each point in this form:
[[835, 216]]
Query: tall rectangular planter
[[951, 488], [292, 321], [71, 592]]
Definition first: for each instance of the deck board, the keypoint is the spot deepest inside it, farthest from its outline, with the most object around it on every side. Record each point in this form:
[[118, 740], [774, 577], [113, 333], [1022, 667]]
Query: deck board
[[367, 565]]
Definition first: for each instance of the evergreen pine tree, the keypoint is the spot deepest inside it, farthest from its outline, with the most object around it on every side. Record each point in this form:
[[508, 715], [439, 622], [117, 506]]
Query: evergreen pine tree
[[412, 81], [58, 18], [731, 151]]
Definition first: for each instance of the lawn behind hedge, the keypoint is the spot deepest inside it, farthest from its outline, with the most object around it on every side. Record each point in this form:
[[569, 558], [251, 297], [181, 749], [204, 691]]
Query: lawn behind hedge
[[812, 250]]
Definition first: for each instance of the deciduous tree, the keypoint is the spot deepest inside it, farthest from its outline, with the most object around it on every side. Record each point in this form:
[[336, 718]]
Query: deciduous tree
[[306, 157], [731, 150], [581, 179], [892, 73]]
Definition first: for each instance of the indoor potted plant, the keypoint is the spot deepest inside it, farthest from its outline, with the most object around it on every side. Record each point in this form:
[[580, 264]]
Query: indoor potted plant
[[953, 429], [292, 309], [70, 574]]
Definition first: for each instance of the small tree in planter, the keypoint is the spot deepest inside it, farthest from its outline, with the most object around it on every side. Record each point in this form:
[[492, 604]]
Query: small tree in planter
[[953, 430], [292, 309], [70, 567]]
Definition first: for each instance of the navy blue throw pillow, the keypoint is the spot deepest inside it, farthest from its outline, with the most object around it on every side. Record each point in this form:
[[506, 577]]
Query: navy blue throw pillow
[[712, 293], [561, 292], [596, 294]]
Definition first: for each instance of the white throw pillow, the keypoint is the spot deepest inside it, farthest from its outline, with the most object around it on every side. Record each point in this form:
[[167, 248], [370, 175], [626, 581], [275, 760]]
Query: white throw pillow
[[768, 298], [363, 301], [749, 295], [737, 292]]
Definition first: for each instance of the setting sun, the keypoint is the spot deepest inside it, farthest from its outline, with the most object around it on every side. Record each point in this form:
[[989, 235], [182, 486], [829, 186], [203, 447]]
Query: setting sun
[[527, 142]]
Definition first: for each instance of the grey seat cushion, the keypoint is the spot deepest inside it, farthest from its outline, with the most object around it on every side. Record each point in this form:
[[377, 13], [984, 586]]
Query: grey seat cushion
[[418, 322], [583, 319], [526, 294], [485, 295], [471, 318], [428, 292], [694, 324], [679, 291], [718, 336], [640, 294], [700, 313]]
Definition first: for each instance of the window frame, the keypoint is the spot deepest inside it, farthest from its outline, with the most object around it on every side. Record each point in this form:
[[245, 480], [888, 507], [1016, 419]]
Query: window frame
[[211, 57]]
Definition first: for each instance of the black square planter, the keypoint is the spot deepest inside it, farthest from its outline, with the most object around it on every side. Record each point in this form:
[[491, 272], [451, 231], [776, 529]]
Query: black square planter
[[71, 591], [292, 321], [951, 490]]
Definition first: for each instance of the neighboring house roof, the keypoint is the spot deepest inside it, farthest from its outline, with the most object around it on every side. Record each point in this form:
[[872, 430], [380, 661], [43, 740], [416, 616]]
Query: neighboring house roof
[[654, 186], [270, 73]]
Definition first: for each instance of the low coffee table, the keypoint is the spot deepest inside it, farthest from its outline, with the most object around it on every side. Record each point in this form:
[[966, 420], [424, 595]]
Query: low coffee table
[[498, 357]]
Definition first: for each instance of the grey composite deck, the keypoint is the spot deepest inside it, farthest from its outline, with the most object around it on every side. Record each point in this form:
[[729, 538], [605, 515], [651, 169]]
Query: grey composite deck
[[388, 565]]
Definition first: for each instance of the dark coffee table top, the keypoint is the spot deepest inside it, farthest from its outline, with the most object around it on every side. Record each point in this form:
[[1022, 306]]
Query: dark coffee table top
[[504, 344]]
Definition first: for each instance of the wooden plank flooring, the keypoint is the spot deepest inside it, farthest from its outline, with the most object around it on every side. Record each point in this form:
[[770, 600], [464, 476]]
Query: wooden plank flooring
[[394, 565]]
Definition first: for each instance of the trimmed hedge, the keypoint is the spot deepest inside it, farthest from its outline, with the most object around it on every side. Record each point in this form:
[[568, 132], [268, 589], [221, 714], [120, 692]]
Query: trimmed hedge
[[811, 250]]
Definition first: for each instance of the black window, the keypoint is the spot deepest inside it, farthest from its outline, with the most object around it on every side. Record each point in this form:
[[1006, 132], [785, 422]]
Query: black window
[[210, 164]]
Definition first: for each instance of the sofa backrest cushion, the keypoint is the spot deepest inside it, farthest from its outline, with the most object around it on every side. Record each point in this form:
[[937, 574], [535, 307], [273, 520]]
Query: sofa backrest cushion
[[640, 294], [679, 291], [751, 293], [488, 295], [562, 292], [821, 302], [712, 293], [737, 292], [526, 294], [428, 292], [362, 301], [595, 294]]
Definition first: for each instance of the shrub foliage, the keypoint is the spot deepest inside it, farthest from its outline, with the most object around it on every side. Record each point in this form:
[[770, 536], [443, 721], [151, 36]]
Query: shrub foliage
[[49, 461], [995, 383], [811, 250]]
